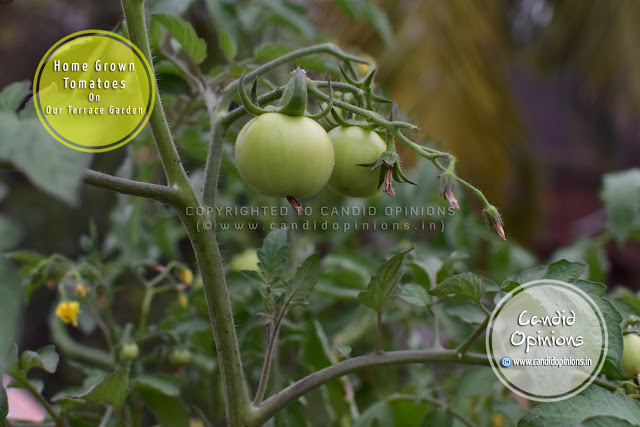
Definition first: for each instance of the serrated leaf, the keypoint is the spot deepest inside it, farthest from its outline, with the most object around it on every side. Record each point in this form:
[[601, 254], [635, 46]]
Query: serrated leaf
[[464, 309], [565, 271], [160, 383], [621, 197], [273, 256], [254, 277], [383, 289], [304, 280], [414, 294], [612, 367], [113, 389], [12, 95], [378, 18], [46, 359], [228, 45], [467, 285], [593, 402], [184, 33], [54, 168]]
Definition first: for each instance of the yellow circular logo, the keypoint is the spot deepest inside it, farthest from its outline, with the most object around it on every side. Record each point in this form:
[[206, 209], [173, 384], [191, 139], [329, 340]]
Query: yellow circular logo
[[94, 91]]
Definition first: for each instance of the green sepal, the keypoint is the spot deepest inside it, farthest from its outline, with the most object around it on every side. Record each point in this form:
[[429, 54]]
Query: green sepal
[[246, 101], [329, 108], [294, 98]]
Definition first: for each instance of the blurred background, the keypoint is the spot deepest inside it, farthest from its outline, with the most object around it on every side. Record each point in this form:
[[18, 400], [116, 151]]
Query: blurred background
[[536, 98]]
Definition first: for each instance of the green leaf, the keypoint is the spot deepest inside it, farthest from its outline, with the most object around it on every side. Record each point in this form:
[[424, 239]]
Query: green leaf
[[27, 260], [467, 285], [160, 383], [46, 359], [169, 411], [194, 143], [273, 256], [612, 318], [414, 294], [380, 22], [304, 280], [54, 168], [113, 389], [228, 45], [382, 289], [378, 414], [565, 271], [347, 8], [12, 96], [184, 33], [295, 18], [463, 309], [593, 402], [621, 197]]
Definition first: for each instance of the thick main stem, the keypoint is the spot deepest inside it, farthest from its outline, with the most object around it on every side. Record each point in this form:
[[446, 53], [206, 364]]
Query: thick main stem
[[237, 402]]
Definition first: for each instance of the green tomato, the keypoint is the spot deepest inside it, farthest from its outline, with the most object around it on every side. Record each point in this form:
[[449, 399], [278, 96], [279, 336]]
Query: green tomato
[[179, 356], [246, 260], [284, 156], [631, 355], [129, 351], [353, 146]]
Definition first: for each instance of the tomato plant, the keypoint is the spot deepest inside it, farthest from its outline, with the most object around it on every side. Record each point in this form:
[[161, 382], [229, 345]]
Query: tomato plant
[[354, 146], [219, 307], [284, 156]]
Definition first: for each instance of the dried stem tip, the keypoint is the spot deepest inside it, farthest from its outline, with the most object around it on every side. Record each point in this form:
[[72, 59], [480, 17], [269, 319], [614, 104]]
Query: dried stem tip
[[295, 204]]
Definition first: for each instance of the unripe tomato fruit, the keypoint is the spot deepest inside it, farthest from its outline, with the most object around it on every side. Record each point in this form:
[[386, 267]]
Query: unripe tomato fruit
[[284, 156], [129, 351], [179, 356], [631, 355], [353, 146]]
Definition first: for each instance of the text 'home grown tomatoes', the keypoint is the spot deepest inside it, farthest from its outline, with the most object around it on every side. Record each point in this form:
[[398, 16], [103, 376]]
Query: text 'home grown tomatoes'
[[354, 146], [631, 355], [284, 156]]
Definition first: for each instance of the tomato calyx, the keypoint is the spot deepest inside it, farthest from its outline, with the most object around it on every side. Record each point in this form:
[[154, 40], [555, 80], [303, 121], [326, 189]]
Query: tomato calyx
[[492, 216], [390, 172], [447, 186], [293, 101]]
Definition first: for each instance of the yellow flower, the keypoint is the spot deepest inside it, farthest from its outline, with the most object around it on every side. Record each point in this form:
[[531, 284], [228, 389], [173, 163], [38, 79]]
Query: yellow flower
[[497, 420], [186, 276], [68, 311], [81, 290]]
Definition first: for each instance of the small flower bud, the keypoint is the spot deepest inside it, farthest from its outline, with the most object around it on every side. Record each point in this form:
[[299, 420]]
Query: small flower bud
[[388, 181], [493, 216], [81, 290], [183, 300], [186, 276]]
